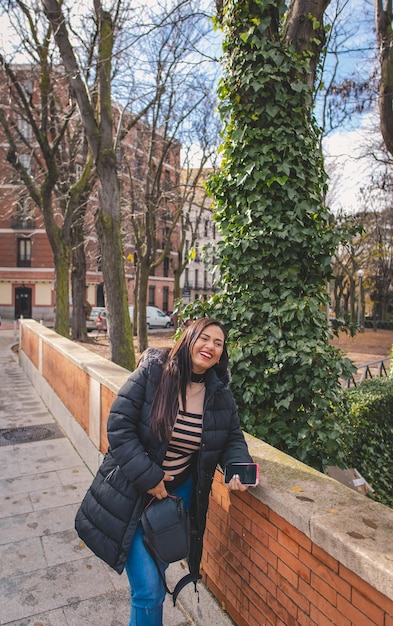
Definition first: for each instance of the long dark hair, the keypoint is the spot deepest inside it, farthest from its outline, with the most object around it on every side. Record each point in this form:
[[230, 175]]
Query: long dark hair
[[176, 376]]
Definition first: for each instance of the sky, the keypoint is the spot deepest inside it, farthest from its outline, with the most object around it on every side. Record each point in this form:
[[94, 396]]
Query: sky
[[349, 165], [345, 148]]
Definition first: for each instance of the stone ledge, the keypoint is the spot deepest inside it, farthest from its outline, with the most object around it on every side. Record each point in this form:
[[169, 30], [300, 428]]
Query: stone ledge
[[111, 375]]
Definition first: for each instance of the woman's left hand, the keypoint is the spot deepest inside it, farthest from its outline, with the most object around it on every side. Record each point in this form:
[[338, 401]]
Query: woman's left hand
[[236, 485]]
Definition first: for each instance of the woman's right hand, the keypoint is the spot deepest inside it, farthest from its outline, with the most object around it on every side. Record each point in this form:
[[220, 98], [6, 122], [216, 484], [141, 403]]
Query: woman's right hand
[[159, 491]]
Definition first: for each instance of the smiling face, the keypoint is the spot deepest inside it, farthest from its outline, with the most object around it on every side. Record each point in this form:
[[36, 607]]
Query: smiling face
[[207, 349]]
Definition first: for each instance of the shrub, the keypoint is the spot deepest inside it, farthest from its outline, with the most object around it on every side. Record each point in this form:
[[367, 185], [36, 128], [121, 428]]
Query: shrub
[[367, 432]]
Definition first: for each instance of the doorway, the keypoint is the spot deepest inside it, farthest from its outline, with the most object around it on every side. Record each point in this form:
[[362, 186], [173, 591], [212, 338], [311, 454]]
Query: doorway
[[23, 302]]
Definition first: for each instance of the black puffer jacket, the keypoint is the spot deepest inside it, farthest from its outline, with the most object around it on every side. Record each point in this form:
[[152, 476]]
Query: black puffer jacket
[[112, 507]]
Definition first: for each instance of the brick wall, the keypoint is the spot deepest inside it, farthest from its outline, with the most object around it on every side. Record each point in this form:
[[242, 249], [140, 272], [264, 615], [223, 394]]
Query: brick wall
[[266, 572], [300, 549]]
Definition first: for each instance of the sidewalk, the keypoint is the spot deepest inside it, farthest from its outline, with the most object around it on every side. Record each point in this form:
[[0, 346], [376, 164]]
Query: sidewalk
[[47, 576]]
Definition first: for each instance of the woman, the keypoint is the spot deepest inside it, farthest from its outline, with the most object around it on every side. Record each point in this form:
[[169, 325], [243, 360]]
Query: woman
[[171, 424]]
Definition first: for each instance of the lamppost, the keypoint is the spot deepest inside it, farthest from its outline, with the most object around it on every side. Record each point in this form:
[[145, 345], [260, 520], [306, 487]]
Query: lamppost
[[360, 274]]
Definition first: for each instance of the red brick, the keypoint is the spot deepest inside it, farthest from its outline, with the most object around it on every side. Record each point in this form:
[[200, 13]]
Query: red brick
[[258, 534], [288, 529], [257, 559], [288, 574], [321, 619], [325, 558], [326, 590], [367, 590], [267, 580], [268, 528], [367, 606], [281, 611], [264, 553], [318, 568], [297, 536], [331, 612], [287, 602], [288, 543], [262, 614], [292, 562], [302, 601], [388, 620], [304, 619], [357, 617]]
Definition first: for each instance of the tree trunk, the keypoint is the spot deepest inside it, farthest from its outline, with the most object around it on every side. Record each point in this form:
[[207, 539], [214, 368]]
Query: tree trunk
[[383, 24], [304, 29], [78, 284], [62, 309], [142, 299]]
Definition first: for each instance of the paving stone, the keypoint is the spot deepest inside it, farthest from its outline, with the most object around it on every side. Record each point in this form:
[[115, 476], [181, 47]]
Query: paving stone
[[29, 483], [51, 588], [21, 557], [36, 524], [51, 618]]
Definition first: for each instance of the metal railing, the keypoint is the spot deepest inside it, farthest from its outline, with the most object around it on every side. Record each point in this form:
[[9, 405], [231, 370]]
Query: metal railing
[[373, 369]]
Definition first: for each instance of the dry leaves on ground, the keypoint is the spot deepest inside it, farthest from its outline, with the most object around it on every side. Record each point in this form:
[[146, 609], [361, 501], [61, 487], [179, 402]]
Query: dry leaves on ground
[[362, 348]]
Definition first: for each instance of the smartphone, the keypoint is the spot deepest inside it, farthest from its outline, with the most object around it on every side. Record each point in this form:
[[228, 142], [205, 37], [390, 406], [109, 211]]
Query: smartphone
[[248, 473]]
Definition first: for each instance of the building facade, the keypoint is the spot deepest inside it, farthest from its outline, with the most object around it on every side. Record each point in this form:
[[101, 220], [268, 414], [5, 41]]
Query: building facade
[[200, 277], [27, 277]]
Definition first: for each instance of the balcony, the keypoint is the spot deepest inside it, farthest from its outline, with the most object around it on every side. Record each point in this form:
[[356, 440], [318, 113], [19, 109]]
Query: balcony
[[20, 222]]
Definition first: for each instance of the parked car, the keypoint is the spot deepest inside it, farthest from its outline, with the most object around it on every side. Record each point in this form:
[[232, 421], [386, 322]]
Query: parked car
[[171, 316], [97, 317], [154, 316]]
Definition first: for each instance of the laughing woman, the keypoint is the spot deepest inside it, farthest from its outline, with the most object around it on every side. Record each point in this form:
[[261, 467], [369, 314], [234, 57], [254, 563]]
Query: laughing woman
[[171, 424]]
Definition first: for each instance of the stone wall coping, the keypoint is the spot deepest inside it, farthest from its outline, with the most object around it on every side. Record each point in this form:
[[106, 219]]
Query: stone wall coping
[[349, 526], [109, 374]]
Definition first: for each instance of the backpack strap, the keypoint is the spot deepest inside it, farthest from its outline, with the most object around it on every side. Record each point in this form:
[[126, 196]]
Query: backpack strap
[[188, 578]]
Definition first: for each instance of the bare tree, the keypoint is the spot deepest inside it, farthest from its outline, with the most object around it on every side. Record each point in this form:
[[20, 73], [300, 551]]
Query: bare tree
[[37, 120], [176, 71], [98, 125]]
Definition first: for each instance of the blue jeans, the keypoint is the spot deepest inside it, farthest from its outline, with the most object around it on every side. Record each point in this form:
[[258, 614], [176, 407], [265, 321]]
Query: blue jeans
[[147, 588]]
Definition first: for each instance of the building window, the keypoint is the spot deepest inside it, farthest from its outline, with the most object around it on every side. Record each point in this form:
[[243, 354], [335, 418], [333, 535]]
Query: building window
[[165, 236], [165, 299], [152, 294], [27, 86], [25, 160], [167, 181], [21, 218], [196, 285], [138, 167], [166, 266], [24, 252], [206, 230], [214, 230], [197, 253], [25, 129]]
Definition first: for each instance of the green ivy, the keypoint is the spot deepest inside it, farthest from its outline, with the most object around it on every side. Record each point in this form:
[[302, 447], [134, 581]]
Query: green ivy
[[367, 427], [277, 240]]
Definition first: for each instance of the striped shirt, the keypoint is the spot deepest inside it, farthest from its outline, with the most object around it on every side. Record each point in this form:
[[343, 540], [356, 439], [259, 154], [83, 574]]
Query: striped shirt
[[186, 432]]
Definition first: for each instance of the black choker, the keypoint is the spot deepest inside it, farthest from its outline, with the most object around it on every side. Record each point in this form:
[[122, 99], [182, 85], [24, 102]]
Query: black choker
[[197, 378]]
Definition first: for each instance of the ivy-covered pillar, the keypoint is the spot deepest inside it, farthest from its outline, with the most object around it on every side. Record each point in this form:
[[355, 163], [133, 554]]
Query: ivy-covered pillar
[[278, 238]]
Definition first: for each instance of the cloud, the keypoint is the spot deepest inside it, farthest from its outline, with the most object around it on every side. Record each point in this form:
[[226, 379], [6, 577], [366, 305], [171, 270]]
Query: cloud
[[350, 164]]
